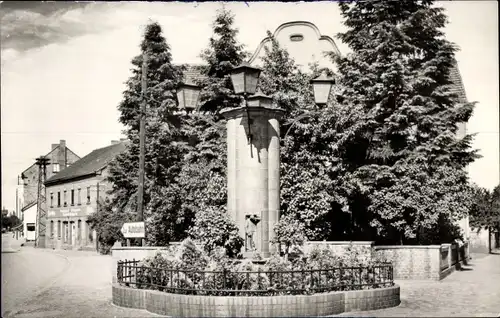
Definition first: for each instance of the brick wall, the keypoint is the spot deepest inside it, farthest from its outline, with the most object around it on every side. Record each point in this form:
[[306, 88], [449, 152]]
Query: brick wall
[[271, 306], [412, 261], [430, 262]]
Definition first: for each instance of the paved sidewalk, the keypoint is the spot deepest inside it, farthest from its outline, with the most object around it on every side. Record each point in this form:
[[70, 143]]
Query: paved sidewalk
[[472, 292]]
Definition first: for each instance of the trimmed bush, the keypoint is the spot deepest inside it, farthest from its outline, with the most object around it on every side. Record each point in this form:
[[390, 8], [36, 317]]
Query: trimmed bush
[[194, 272]]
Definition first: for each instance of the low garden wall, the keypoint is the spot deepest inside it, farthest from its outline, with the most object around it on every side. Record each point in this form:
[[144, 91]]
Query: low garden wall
[[423, 262], [255, 306]]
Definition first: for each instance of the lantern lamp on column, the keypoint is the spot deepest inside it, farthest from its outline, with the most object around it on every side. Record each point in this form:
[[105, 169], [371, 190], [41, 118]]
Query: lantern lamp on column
[[259, 100], [322, 86], [245, 78], [188, 95]]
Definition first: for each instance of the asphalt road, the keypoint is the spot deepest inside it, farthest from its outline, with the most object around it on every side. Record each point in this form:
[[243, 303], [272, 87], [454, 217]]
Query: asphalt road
[[48, 283], [26, 273]]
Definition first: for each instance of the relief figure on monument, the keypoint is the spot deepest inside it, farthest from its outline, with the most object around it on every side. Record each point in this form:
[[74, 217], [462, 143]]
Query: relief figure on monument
[[251, 222]]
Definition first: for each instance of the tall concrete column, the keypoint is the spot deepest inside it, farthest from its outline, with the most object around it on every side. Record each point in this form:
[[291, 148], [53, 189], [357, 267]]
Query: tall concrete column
[[253, 172]]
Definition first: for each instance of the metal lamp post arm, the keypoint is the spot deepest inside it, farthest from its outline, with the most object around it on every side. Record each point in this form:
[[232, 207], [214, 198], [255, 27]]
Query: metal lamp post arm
[[297, 119]]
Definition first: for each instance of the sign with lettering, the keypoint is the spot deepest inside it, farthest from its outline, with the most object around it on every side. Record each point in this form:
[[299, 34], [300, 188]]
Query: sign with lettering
[[68, 212], [133, 230]]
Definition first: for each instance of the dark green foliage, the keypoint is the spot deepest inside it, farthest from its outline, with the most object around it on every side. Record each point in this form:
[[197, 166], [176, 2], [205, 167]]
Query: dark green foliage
[[485, 211], [213, 228], [404, 162], [224, 53], [192, 269], [10, 221], [107, 222], [203, 176], [163, 155]]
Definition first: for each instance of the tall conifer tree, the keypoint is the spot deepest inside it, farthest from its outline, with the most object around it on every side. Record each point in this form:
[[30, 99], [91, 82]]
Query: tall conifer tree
[[407, 163], [162, 156]]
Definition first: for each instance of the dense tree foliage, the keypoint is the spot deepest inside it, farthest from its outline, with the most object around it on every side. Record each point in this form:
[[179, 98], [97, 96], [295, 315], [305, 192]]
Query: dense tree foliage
[[10, 221], [223, 53], [163, 154], [204, 172], [485, 210], [381, 162], [405, 164]]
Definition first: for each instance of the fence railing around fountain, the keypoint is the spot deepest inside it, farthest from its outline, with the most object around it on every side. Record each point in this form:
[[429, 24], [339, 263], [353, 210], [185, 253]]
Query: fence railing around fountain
[[254, 283]]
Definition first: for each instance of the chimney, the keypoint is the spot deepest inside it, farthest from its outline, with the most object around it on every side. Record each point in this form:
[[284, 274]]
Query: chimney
[[61, 157], [54, 146], [114, 142]]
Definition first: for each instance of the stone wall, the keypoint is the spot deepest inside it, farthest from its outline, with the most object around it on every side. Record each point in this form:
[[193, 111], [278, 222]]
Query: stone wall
[[430, 262], [264, 306], [412, 262]]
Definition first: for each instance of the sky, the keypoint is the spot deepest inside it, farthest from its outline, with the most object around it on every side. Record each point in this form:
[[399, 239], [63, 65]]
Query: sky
[[64, 64]]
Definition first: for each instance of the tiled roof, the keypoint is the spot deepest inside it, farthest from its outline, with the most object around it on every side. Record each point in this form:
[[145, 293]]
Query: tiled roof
[[193, 74], [458, 85], [90, 164]]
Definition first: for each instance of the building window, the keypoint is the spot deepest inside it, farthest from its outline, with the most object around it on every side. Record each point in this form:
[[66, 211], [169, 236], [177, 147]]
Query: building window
[[79, 230], [51, 229], [55, 167], [72, 197], [30, 227], [51, 200], [58, 198], [58, 229], [79, 196], [88, 195], [65, 199]]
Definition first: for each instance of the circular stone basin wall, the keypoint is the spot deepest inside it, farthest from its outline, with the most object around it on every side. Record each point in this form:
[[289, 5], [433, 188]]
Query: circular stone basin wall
[[256, 306]]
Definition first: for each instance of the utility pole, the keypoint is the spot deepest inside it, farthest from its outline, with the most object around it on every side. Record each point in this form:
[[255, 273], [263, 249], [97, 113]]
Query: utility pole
[[97, 211], [41, 213], [142, 137]]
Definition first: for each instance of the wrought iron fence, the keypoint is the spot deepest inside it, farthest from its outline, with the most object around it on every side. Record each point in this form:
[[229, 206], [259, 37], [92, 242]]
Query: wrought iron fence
[[257, 283]]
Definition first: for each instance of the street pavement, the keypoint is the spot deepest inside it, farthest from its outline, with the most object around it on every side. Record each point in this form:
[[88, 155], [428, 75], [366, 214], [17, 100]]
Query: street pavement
[[48, 283], [472, 292], [10, 243]]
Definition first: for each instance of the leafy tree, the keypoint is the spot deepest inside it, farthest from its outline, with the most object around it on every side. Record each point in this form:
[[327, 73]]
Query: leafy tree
[[213, 228], [203, 176], [289, 232], [485, 210], [224, 53], [311, 171], [163, 155], [405, 165], [9, 221]]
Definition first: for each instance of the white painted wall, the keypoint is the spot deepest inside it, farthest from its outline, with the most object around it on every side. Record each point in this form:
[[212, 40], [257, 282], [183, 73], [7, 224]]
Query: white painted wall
[[29, 217]]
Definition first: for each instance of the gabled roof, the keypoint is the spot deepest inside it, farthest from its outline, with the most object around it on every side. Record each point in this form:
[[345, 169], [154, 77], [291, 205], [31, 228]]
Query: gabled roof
[[47, 155], [88, 165]]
